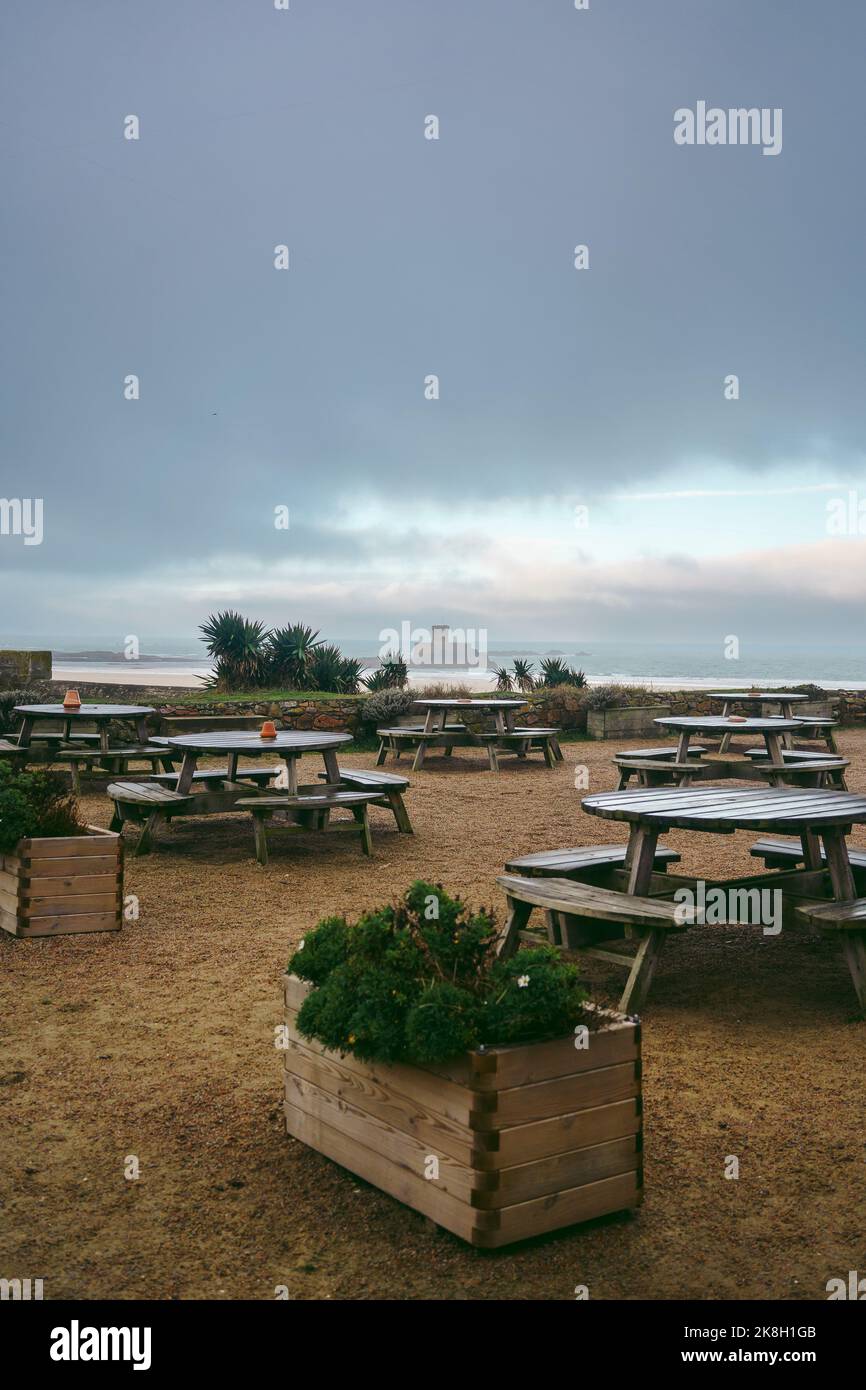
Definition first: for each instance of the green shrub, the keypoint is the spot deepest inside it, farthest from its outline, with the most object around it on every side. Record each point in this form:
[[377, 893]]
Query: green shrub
[[34, 803], [420, 981]]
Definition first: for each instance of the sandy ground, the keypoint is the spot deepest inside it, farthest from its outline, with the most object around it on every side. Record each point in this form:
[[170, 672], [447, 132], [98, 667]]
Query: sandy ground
[[158, 1043]]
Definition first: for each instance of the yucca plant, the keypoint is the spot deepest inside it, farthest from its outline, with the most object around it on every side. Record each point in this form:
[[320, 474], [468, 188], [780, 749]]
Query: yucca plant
[[503, 678], [393, 674], [238, 646], [290, 651], [554, 671], [523, 675], [350, 675], [325, 667]]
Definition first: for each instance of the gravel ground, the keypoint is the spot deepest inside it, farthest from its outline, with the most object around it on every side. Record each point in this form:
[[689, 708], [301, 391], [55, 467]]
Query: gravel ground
[[158, 1042]]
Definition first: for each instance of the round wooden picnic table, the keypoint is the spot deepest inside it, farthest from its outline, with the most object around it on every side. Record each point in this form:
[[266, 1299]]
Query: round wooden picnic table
[[100, 715], [503, 711], [813, 815], [785, 699], [687, 724], [289, 744]]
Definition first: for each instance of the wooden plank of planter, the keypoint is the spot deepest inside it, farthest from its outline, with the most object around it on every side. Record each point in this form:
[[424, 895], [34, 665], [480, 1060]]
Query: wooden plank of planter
[[560, 1172], [455, 1176], [521, 1065], [56, 848], [77, 883], [406, 1113], [57, 926], [563, 1096], [375, 1168], [69, 868], [77, 902], [524, 1143], [563, 1209]]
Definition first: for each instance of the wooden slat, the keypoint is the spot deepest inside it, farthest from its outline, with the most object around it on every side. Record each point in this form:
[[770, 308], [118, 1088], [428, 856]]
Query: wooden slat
[[94, 842], [79, 883], [559, 1172], [408, 1150], [70, 868], [31, 908], [561, 1096], [620, 1193], [587, 900], [58, 925], [850, 914], [520, 1144], [426, 1197]]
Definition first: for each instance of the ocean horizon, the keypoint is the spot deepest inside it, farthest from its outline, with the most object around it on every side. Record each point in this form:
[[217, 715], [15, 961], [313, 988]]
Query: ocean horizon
[[184, 662]]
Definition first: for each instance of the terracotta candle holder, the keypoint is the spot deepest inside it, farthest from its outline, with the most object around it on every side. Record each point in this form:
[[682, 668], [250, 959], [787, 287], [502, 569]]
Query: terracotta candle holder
[[269, 729]]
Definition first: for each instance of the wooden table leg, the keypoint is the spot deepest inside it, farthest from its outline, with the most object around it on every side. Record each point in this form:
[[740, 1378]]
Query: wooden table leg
[[841, 876], [683, 746], [640, 858], [141, 728], [332, 767], [774, 753], [25, 733], [785, 708], [726, 738], [103, 737], [641, 973], [187, 768], [292, 774], [844, 889], [430, 721], [811, 850]]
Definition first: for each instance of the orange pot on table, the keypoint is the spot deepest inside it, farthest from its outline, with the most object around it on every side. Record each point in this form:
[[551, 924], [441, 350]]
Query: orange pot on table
[[269, 729]]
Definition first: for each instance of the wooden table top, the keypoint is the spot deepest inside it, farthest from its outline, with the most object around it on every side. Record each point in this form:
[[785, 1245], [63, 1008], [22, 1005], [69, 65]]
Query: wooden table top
[[724, 724], [84, 711], [755, 696], [715, 809], [248, 741], [472, 704]]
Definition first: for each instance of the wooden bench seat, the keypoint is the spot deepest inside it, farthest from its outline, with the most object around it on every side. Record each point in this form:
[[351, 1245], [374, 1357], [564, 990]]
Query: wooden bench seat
[[819, 727], [389, 787], [695, 750], [806, 772], [785, 854], [849, 918], [143, 801], [580, 915], [576, 862], [39, 736], [520, 741], [214, 776], [311, 812], [658, 772], [114, 761]]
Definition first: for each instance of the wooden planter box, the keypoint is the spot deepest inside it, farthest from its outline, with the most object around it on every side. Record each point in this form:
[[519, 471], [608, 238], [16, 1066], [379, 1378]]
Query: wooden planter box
[[527, 1138], [68, 884], [633, 721]]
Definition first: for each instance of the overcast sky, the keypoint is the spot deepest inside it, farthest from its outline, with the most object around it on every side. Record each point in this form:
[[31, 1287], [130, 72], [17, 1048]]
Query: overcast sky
[[559, 388]]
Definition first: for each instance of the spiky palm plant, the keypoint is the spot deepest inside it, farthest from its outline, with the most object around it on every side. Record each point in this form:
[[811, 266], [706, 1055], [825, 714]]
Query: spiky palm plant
[[325, 667], [238, 647], [503, 678], [291, 650], [393, 674], [523, 674], [554, 671], [350, 675]]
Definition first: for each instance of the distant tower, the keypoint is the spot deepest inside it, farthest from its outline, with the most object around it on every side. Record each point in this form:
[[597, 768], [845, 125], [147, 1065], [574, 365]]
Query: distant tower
[[441, 641]]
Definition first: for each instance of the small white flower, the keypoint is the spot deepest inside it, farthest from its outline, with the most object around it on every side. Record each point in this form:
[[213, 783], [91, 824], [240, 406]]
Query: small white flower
[[301, 944], [523, 981]]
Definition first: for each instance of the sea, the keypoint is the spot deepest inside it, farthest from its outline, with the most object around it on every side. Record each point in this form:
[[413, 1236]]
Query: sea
[[664, 666]]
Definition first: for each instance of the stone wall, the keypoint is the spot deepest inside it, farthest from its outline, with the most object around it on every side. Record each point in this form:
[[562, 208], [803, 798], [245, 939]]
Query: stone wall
[[20, 669], [562, 707]]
